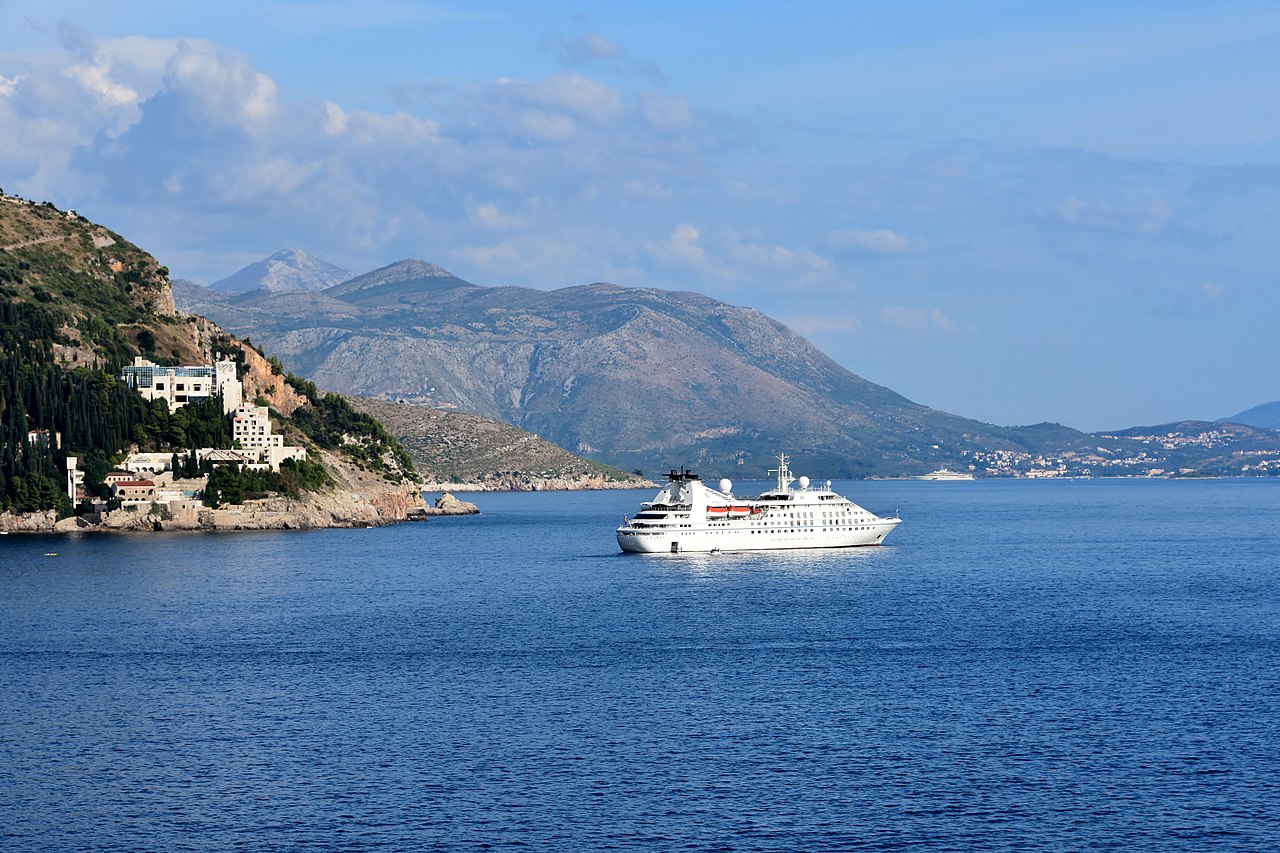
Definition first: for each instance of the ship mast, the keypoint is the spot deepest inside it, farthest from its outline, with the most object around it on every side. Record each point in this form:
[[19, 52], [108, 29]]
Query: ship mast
[[784, 473]]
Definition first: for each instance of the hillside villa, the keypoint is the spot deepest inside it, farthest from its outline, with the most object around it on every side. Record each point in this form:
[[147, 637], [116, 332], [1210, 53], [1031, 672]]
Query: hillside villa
[[147, 478]]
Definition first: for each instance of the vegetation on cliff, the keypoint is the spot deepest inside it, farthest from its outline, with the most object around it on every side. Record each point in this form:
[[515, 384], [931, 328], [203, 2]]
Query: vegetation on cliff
[[332, 423], [230, 485]]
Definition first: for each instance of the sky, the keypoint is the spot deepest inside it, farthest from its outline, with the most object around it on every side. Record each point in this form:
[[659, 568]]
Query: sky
[[1013, 211]]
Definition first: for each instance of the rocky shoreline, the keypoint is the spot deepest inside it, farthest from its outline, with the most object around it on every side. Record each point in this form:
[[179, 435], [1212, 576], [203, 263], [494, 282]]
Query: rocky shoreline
[[320, 512], [359, 498]]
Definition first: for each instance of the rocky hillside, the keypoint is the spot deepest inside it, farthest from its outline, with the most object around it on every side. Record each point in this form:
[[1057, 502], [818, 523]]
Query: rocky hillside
[[77, 303], [452, 449]]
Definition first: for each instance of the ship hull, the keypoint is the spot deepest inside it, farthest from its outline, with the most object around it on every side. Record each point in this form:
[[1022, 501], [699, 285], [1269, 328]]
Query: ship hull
[[633, 541]]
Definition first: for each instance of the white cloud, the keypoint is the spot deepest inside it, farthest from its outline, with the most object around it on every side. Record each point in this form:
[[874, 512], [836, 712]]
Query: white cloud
[[684, 246], [567, 93], [822, 324], [547, 126], [593, 48], [270, 180], [95, 78], [649, 188], [765, 255], [396, 130], [1212, 291], [731, 258], [220, 86], [335, 119], [589, 46], [524, 255], [1148, 216], [881, 241], [916, 319], [9, 85], [491, 216], [666, 113]]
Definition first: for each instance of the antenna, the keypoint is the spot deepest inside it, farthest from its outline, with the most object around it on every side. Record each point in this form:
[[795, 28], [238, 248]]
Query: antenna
[[784, 474]]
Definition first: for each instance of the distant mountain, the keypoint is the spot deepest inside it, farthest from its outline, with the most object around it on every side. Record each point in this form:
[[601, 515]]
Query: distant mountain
[[1266, 416], [401, 277], [640, 378], [288, 270]]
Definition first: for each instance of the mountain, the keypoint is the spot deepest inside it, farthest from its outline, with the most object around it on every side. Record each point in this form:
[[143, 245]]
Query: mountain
[[1266, 416], [287, 270], [397, 279], [641, 378]]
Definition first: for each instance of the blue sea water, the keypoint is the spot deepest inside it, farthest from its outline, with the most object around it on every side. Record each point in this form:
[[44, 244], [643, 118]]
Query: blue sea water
[[1083, 665]]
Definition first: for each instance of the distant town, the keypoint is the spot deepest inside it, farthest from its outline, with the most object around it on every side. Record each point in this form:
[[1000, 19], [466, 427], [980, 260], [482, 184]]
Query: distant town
[[1216, 449]]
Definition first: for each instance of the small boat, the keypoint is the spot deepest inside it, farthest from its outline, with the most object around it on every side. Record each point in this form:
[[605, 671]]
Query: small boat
[[944, 474]]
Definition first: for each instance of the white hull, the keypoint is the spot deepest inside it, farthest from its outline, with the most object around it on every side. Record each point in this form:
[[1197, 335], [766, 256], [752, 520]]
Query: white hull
[[690, 517], [694, 540]]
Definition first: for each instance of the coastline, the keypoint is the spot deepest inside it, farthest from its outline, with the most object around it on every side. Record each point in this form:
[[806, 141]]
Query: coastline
[[276, 513], [359, 498]]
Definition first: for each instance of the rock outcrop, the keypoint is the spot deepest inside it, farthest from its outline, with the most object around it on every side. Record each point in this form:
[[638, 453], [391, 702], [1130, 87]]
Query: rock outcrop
[[447, 504]]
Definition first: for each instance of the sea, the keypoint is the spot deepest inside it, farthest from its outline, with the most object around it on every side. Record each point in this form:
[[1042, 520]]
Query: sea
[[1053, 665]]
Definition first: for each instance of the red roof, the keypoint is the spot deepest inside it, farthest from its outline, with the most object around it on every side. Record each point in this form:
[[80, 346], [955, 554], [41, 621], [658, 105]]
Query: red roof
[[135, 483]]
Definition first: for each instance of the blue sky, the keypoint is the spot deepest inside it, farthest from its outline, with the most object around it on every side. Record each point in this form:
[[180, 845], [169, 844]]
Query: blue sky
[[1015, 211]]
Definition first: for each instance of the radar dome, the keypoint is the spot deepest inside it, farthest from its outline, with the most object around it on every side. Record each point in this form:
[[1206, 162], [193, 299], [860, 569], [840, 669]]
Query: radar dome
[[726, 486], [804, 482]]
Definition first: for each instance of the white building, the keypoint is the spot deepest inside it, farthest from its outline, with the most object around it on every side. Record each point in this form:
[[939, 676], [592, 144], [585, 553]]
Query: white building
[[180, 385], [148, 463], [251, 426], [75, 478]]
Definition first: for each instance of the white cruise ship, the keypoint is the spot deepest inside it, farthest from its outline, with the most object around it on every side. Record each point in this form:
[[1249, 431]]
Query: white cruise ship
[[688, 515]]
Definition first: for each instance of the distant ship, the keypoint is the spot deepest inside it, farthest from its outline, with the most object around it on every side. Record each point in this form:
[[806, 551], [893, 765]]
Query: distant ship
[[688, 515], [944, 474]]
